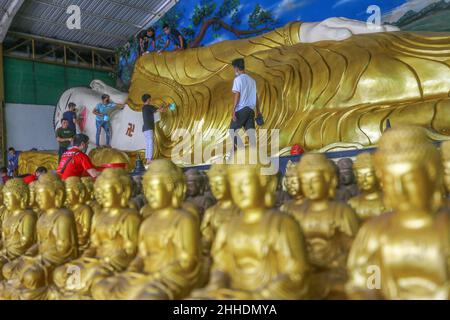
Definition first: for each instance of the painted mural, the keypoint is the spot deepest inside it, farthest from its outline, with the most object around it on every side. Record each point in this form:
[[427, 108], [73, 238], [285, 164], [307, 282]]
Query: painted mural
[[204, 22]]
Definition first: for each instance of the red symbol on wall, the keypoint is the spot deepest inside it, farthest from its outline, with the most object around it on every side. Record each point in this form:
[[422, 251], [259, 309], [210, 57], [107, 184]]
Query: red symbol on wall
[[130, 130]]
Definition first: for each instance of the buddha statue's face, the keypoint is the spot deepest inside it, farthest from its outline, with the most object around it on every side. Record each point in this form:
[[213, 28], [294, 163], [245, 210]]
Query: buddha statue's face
[[109, 193], [314, 185], [12, 200], [194, 186], [157, 193], [407, 187], [32, 197], [292, 184], [72, 195], [246, 190], [366, 179], [447, 176], [219, 187], [45, 197]]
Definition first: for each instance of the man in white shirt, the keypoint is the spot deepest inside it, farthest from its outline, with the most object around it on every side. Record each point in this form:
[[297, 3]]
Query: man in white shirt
[[245, 101]]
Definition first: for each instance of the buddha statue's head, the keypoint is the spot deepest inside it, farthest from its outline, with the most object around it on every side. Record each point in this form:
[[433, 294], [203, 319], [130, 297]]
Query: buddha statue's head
[[365, 173], [318, 177], [50, 192], [113, 188], [345, 172], [218, 182], [194, 182], [163, 185], [75, 191], [445, 152], [88, 183], [410, 170], [15, 195], [250, 187], [292, 181], [32, 201]]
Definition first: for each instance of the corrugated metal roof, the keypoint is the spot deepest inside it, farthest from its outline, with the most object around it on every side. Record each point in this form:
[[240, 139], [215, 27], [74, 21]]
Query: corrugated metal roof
[[104, 23]]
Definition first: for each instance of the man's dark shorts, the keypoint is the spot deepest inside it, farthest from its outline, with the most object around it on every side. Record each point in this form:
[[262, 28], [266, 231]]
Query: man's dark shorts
[[245, 118]]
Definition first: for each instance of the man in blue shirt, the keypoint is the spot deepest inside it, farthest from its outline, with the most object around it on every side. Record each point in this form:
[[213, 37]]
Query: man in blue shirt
[[103, 116], [71, 116], [174, 36], [13, 162]]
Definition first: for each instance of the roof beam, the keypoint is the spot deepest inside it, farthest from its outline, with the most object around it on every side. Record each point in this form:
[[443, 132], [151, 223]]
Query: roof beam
[[8, 16]]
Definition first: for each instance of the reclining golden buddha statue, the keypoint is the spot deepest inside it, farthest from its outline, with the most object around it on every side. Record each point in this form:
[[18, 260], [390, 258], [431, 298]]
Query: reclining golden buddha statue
[[326, 85]]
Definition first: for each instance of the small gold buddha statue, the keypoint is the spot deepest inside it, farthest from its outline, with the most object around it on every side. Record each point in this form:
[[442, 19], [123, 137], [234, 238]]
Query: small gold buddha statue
[[19, 225], [29, 276], [217, 215], [195, 191], [32, 203], [76, 197], [404, 254], [168, 262], [114, 237], [259, 254], [445, 156], [369, 203], [90, 194], [292, 185], [329, 226]]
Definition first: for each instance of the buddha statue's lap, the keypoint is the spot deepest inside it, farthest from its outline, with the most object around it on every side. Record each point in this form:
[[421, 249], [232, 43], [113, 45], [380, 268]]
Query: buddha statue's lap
[[167, 265], [407, 250], [260, 253], [113, 239], [30, 276], [329, 226]]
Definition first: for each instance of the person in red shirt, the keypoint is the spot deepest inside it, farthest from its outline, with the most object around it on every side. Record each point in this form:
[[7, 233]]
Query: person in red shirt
[[74, 162], [4, 175], [33, 177]]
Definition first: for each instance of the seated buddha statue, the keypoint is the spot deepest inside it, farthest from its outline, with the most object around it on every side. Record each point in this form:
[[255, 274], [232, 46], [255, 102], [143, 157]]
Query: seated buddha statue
[[260, 254], [404, 254], [195, 191], [32, 203], [19, 225], [217, 215], [331, 84], [2, 212], [445, 156], [113, 242], [291, 182], [90, 195], [329, 226], [347, 187], [29, 277], [369, 203], [167, 265], [76, 196]]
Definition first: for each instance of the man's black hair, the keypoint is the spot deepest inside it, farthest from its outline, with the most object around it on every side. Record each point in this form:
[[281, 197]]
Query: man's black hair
[[151, 29], [64, 119], [145, 97], [239, 63], [104, 96], [165, 26], [12, 149], [79, 139], [41, 170], [3, 170], [72, 105]]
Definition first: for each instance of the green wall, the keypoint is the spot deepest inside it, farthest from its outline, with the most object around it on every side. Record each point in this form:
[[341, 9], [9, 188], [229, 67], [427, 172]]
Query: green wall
[[30, 82]]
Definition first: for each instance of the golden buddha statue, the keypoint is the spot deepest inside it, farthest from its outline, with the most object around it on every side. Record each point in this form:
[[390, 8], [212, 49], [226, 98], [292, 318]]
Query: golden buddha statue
[[292, 185], [315, 93], [114, 238], [2, 213], [217, 215], [369, 203], [195, 183], [404, 254], [260, 253], [76, 197], [329, 226], [32, 204], [19, 225], [90, 201], [445, 155], [168, 262], [29, 277]]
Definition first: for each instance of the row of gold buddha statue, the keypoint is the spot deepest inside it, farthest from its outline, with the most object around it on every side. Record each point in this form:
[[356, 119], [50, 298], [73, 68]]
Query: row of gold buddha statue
[[80, 240]]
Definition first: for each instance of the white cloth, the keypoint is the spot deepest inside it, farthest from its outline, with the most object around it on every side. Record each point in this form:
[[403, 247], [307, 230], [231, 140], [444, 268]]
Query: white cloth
[[246, 86], [148, 144]]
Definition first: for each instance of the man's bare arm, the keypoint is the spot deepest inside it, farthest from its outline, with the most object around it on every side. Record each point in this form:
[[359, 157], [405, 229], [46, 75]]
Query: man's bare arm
[[93, 173]]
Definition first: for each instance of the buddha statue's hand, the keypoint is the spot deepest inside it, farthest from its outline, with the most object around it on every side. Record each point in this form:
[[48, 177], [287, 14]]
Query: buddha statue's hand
[[339, 29]]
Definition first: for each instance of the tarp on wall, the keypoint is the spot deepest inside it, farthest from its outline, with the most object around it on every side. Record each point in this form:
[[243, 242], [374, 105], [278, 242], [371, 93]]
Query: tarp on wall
[[30, 126]]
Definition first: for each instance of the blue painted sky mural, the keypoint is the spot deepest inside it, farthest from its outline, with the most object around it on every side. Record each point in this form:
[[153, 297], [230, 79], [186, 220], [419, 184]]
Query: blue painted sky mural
[[233, 19]]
